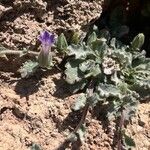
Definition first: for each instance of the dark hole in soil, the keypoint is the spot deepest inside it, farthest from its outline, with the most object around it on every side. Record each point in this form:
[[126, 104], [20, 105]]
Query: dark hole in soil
[[7, 2], [133, 14], [3, 110], [39, 20]]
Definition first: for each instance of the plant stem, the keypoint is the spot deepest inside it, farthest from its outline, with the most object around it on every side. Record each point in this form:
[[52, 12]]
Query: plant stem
[[86, 108], [13, 52], [121, 125]]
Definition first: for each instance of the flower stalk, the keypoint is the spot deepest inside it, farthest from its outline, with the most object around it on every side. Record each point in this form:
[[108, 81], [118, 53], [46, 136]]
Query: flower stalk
[[45, 56]]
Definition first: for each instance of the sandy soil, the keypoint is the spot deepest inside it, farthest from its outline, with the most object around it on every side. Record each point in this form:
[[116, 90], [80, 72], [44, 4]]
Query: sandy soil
[[38, 110], [22, 20]]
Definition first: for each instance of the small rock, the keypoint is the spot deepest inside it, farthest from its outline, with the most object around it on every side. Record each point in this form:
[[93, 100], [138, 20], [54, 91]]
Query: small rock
[[141, 123], [139, 129]]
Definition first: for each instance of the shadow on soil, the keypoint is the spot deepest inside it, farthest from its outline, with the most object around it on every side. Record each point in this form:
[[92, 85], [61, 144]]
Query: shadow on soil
[[99, 112], [67, 144], [62, 90], [70, 122], [26, 87]]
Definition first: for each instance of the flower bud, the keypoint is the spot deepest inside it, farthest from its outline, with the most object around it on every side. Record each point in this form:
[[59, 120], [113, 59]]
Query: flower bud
[[138, 41], [45, 57]]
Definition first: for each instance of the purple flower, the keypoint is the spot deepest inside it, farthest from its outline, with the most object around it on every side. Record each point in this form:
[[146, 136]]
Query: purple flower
[[47, 40]]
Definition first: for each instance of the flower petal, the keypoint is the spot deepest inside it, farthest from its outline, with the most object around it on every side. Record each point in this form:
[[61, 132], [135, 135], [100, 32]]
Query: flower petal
[[47, 38]]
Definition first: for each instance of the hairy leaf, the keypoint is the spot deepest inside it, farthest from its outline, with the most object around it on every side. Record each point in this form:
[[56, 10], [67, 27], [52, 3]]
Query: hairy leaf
[[73, 137], [142, 88], [108, 90], [90, 68], [75, 38], [73, 74], [138, 41], [125, 58], [129, 103], [91, 38], [81, 51], [62, 43], [78, 86], [121, 75], [128, 141], [104, 33], [113, 109], [81, 133], [28, 69], [100, 47], [80, 102], [35, 147]]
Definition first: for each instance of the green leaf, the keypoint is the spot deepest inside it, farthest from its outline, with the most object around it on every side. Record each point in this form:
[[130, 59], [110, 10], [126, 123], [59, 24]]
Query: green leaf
[[80, 102], [141, 64], [91, 38], [100, 47], [81, 133], [73, 88], [129, 103], [62, 43], [35, 147], [94, 99], [72, 72], [138, 41], [45, 60], [142, 88], [87, 65], [119, 91], [125, 58], [113, 108], [137, 55], [104, 33], [73, 137], [28, 69], [95, 71], [81, 51], [128, 141], [108, 90], [90, 68], [113, 43], [123, 87], [75, 38]]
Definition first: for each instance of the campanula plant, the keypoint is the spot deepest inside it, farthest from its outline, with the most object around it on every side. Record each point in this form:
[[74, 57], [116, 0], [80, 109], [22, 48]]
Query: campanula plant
[[110, 74], [47, 40], [44, 57]]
